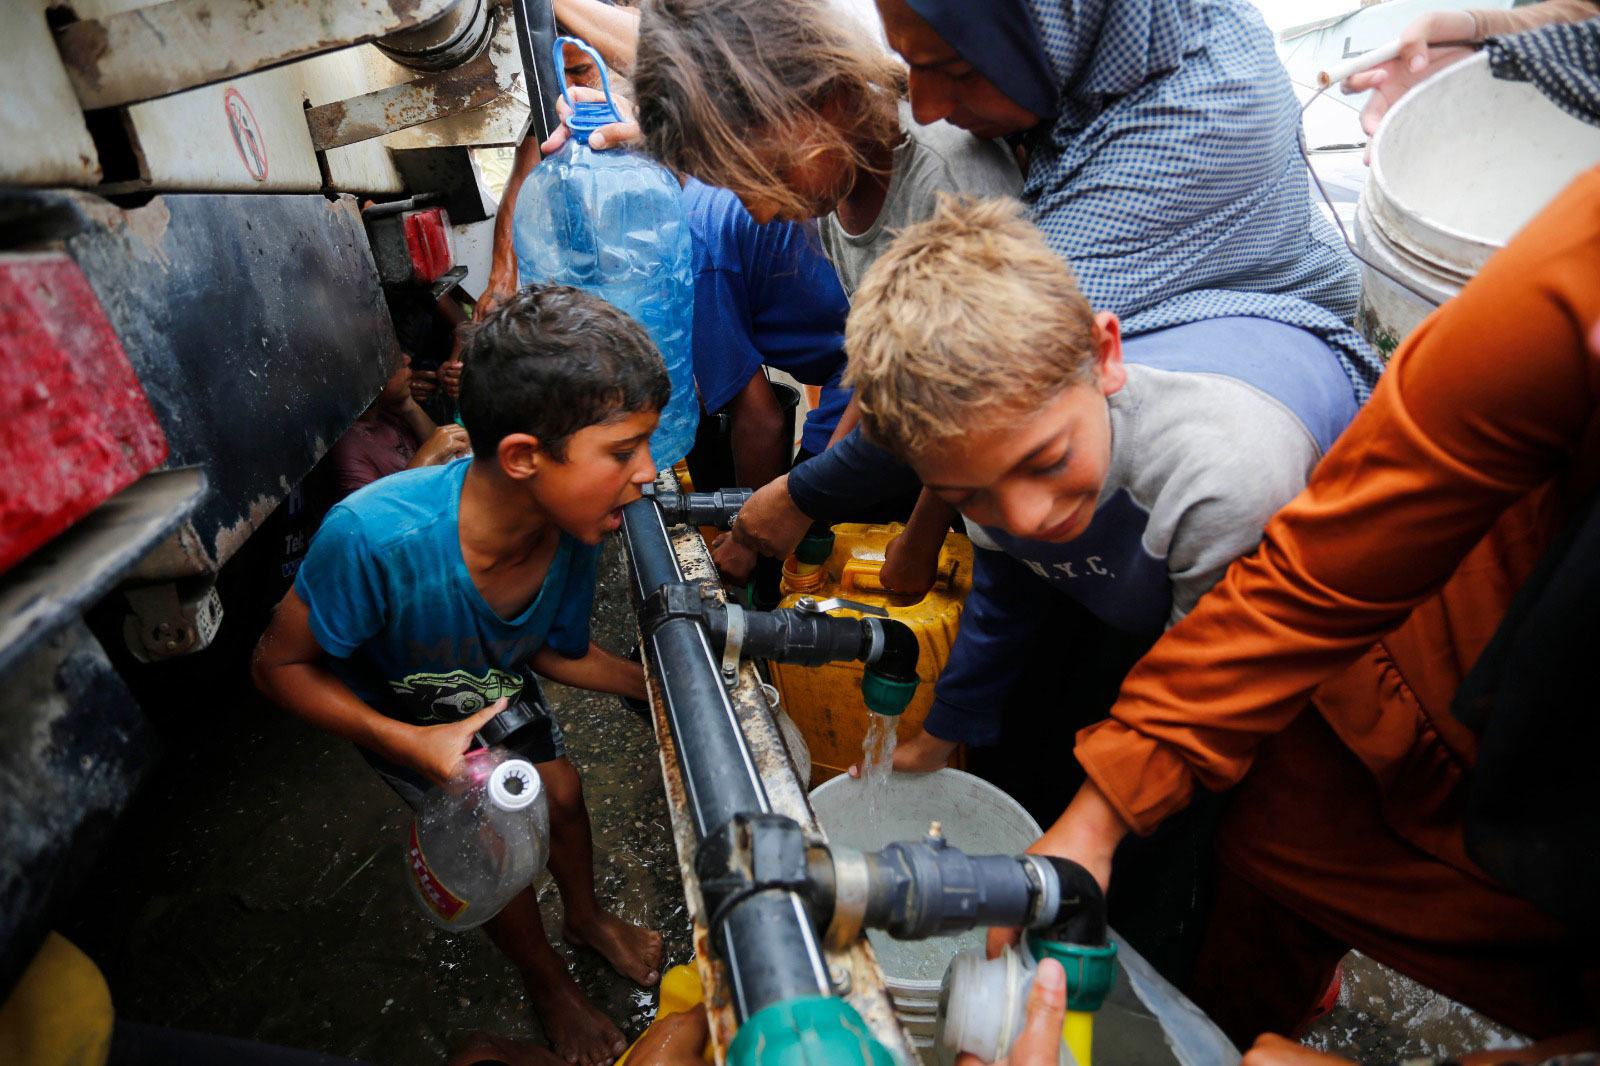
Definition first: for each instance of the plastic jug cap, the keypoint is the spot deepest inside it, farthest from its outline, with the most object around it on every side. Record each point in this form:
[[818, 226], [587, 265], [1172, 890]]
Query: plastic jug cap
[[514, 785], [587, 115]]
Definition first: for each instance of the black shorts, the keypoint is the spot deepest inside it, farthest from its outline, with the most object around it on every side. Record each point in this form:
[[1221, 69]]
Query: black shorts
[[538, 741]]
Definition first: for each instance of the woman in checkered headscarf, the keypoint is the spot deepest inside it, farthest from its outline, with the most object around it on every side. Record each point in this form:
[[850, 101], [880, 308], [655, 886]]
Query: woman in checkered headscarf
[[1162, 162]]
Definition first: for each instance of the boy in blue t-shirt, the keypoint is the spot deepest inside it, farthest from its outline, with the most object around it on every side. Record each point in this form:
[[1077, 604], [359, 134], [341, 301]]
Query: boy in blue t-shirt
[[428, 600]]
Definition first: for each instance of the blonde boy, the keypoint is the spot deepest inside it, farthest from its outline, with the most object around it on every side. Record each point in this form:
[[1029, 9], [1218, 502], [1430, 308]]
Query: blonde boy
[[1122, 473]]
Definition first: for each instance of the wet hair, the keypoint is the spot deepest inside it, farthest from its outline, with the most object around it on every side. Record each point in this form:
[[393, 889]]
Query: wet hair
[[552, 360], [967, 320], [732, 91]]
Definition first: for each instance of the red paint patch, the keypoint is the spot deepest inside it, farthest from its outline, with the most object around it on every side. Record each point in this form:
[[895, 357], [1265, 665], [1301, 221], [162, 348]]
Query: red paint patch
[[247, 137], [75, 424]]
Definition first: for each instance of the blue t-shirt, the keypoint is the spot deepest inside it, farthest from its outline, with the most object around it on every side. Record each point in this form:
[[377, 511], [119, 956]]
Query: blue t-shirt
[[764, 295], [391, 600]]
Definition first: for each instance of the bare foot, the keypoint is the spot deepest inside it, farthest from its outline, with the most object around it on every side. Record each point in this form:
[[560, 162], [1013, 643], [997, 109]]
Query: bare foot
[[577, 1029], [632, 950]]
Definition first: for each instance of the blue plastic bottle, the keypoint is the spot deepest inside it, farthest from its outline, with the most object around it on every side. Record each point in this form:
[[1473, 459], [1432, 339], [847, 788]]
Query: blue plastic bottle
[[611, 223]]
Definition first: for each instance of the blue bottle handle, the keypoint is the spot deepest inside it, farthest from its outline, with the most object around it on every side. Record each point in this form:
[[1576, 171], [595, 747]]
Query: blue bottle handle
[[594, 113]]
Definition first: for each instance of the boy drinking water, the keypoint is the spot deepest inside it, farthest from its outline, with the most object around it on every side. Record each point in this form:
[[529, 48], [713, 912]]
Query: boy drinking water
[[1112, 479], [428, 600]]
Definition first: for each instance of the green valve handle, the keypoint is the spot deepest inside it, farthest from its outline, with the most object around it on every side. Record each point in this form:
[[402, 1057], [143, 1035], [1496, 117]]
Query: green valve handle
[[1091, 969], [885, 695], [814, 1031]]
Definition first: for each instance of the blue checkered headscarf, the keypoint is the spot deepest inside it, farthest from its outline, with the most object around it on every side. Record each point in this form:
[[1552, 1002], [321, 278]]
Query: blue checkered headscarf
[[1167, 170]]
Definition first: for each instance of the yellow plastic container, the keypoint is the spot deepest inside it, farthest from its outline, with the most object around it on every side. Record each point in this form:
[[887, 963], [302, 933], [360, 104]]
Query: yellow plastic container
[[680, 991], [825, 701]]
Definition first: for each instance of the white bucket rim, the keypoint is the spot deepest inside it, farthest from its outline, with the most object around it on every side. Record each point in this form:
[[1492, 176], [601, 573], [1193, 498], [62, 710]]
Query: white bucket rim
[[1376, 243], [1385, 194], [951, 773]]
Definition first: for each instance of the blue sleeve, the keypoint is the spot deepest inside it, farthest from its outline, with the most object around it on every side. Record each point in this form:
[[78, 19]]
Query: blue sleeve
[[1004, 611], [341, 584], [725, 354], [569, 629], [848, 479]]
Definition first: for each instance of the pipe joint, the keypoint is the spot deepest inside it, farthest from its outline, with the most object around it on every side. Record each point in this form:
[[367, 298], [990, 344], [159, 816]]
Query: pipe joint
[[716, 509], [747, 855]]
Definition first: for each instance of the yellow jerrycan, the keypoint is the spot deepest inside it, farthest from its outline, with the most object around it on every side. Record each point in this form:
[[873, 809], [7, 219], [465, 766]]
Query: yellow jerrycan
[[825, 701]]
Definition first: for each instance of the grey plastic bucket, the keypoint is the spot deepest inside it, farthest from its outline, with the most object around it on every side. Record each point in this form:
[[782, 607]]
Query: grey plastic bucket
[[1459, 165], [975, 816]]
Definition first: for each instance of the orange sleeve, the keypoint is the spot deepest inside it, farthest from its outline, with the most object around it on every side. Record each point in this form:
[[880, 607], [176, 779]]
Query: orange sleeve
[[1484, 402]]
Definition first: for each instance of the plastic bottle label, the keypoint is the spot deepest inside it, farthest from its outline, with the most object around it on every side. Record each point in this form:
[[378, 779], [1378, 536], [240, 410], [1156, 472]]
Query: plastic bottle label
[[446, 904]]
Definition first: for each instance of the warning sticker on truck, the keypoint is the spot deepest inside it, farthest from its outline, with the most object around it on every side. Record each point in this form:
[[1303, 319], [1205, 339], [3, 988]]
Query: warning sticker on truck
[[246, 134]]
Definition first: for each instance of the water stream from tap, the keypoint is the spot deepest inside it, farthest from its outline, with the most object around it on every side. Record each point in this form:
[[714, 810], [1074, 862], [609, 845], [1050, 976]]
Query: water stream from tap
[[877, 759]]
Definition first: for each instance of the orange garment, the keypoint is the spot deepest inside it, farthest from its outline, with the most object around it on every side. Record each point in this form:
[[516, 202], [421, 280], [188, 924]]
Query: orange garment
[[1371, 595]]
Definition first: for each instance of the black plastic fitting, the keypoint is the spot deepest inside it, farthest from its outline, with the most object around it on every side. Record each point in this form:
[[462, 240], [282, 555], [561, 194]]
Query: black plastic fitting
[[897, 661], [1080, 916], [923, 888], [716, 509]]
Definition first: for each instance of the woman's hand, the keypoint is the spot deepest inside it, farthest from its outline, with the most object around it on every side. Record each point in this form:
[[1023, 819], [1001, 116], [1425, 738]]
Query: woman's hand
[[609, 136], [1419, 58], [1039, 1043]]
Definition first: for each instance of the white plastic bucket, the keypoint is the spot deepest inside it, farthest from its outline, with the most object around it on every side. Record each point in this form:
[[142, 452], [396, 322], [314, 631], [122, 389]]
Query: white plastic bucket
[[975, 816], [1458, 167]]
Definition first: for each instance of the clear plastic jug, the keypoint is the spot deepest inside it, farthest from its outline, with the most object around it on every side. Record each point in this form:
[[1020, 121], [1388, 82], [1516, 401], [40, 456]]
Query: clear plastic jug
[[478, 839], [611, 222]]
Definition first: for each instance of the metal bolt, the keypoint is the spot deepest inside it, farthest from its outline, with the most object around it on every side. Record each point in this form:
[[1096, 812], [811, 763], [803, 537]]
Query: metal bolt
[[935, 830], [839, 976]]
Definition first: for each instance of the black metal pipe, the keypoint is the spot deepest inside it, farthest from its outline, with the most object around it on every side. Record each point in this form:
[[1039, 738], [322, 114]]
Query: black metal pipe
[[766, 939]]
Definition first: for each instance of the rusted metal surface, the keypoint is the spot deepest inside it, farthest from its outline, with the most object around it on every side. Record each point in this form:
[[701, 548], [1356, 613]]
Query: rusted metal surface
[[443, 43], [166, 48], [399, 107], [855, 971], [505, 118]]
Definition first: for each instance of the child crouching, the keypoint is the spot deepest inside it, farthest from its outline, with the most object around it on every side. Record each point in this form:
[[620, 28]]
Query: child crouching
[[429, 599]]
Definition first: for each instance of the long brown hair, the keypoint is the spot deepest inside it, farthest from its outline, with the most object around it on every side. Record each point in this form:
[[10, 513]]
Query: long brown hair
[[733, 91]]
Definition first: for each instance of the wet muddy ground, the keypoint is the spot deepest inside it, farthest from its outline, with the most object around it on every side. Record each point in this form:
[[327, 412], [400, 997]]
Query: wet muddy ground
[[255, 890]]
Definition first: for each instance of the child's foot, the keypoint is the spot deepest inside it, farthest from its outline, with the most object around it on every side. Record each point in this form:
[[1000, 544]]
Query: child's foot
[[576, 1028], [632, 950]]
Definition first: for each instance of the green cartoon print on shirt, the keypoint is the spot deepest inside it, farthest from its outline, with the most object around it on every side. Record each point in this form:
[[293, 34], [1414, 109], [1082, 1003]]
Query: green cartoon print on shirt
[[452, 696]]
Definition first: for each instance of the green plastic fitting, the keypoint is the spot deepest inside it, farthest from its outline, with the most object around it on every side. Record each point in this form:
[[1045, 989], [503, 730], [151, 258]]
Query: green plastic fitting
[[1091, 969], [885, 695], [814, 549], [813, 1031]]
